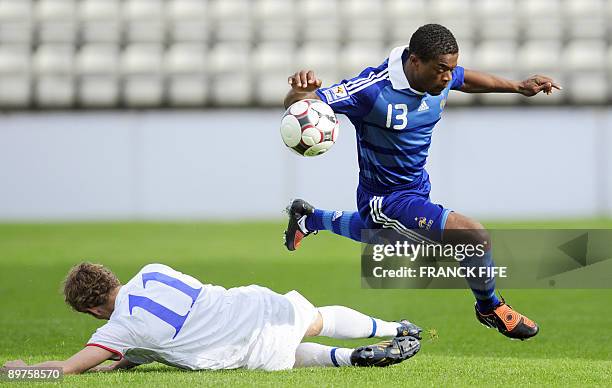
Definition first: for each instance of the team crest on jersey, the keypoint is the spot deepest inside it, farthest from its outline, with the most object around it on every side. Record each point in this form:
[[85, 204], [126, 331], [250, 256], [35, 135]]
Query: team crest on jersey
[[443, 103], [336, 93]]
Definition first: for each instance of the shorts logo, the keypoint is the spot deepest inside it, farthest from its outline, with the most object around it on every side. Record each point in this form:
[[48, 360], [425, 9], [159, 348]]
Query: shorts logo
[[423, 223], [337, 214]]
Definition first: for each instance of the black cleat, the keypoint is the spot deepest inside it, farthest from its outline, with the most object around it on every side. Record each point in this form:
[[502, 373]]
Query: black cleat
[[298, 210], [408, 329], [386, 353], [507, 321]]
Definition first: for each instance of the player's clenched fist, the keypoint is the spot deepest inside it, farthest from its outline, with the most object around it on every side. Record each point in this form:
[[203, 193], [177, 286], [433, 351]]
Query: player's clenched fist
[[304, 81]]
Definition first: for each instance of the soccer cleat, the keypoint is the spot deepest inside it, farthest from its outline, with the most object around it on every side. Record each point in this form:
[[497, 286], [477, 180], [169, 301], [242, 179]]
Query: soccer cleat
[[508, 322], [408, 329], [298, 210], [386, 353]]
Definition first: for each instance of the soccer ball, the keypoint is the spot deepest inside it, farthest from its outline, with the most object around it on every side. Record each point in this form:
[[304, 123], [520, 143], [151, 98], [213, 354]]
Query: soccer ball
[[309, 127]]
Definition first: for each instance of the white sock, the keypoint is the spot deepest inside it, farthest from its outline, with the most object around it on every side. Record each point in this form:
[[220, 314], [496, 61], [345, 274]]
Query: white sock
[[343, 322], [311, 354]]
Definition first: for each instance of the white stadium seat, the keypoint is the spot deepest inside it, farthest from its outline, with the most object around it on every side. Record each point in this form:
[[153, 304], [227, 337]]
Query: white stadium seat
[[320, 21], [53, 65], [185, 69], [273, 56], [352, 10], [141, 68], [239, 31], [322, 58], [505, 28], [539, 56], [231, 21], [318, 9], [466, 53], [399, 33], [496, 55], [609, 61], [187, 21], [588, 88], [185, 58], [15, 10], [450, 9], [593, 27], [355, 57], [536, 10], [223, 10], [54, 59], [281, 31], [585, 55], [97, 67], [274, 10], [535, 29], [144, 22], [460, 27], [323, 31], [583, 8], [272, 64], [494, 9], [187, 9], [15, 21], [228, 57], [56, 21], [229, 65], [368, 30], [14, 76], [276, 21], [402, 11], [100, 21]]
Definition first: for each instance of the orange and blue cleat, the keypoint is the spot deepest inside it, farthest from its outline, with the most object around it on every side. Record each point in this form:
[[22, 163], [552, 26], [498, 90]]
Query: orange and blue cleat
[[509, 322]]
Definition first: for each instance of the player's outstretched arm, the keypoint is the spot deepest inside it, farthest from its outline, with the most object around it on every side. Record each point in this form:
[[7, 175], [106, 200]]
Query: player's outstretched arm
[[303, 84], [123, 364], [479, 82], [84, 360]]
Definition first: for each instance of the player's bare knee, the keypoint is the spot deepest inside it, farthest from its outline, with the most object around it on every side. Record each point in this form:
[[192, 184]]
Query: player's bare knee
[[315, 327], [463, 230]]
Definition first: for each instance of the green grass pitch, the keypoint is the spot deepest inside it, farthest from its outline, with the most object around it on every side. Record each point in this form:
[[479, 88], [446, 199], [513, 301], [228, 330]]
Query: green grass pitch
[[574, 347]]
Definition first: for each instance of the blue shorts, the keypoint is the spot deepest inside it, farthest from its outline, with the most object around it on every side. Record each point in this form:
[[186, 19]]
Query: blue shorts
[[407, 209]]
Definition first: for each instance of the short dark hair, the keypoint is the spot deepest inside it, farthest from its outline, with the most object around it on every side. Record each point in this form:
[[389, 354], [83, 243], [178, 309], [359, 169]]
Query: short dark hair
[[431, 41], [89, 285]]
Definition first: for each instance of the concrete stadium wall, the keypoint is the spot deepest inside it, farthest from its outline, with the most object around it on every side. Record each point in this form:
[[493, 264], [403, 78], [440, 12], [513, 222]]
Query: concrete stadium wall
[[226, 164]]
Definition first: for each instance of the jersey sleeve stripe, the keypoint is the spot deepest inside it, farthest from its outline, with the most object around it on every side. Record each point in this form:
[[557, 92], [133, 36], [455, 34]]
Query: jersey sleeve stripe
[[359, 80], [115, 352], [363, 81], [353, 91]]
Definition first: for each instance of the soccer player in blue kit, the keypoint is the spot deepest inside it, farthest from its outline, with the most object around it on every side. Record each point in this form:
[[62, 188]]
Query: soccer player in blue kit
[[394, 108]]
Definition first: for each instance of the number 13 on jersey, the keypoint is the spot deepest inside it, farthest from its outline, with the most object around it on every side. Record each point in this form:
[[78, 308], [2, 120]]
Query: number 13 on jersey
[[400, 111]]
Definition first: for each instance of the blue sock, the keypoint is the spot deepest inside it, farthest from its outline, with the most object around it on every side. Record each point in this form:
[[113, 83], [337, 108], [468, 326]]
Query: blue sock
[[483, 288], [347, 224]]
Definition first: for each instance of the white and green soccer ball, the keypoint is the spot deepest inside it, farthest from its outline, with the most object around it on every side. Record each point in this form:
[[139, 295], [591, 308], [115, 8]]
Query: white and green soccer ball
[[309, 127]]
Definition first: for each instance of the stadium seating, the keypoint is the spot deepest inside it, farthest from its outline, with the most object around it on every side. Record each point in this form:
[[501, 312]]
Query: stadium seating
[[155, 53], [53, 68], [97, 71]]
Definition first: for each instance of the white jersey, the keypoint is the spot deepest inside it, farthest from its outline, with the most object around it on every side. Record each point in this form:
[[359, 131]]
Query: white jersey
[[165, 316]]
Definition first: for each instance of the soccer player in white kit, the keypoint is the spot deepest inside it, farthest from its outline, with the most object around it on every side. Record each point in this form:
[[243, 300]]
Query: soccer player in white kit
[[166, 316]]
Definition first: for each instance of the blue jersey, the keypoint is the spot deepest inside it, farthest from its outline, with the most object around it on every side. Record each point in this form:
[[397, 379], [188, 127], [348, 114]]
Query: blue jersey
[[394, 122]]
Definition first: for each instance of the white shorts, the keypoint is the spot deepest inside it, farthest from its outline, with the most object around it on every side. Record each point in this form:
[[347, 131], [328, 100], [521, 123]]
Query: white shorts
[[275, 347]]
